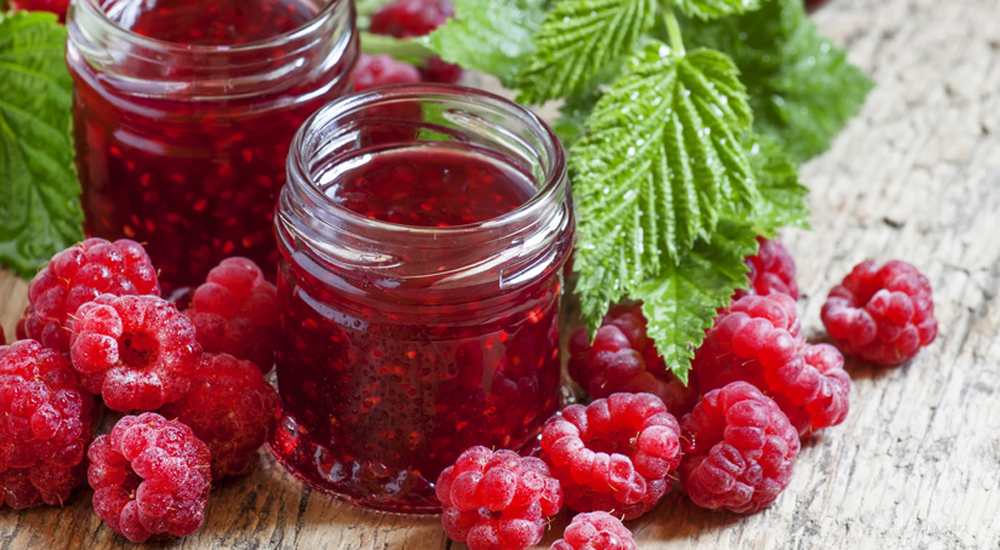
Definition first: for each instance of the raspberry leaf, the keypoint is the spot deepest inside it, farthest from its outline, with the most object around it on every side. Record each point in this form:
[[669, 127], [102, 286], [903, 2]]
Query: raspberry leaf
[[578, 39], [39, 193], [681, 303], [782, 195], [492, 36], [712, 9], [802, 88]]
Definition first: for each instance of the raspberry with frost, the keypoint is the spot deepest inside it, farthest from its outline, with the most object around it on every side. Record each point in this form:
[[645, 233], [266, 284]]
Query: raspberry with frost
[[497, 500], [138, 352], [45, 425], [76, 276], [595, 531], [235, 311], [613, 455], [151, 478], [757, 340], [232, 409], [883, 315], [738, 450]]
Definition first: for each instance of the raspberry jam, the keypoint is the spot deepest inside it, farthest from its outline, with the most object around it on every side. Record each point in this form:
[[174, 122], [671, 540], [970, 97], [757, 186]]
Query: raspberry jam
[[183, 115], [418, 289]]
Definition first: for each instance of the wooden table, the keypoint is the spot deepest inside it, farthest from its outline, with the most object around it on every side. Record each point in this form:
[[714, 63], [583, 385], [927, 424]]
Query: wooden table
[[917, 462]]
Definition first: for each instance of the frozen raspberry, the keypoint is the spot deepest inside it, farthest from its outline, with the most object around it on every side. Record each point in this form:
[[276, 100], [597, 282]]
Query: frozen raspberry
[[623, 358], [382, 69], [595, 531], [881, 315], [232, 409], [76, 276], [408, 18], [45, 424], [614, 454], [150, 477], [757, 340], [772, 269], [738, 450], [236, 312], [497, 500], [138, 352]]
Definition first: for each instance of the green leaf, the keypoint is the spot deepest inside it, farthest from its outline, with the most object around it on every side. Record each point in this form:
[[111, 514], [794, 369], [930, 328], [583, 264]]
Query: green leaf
[[782, 195], [492, 36], [711, 9], [802, 88], [681, 303], [579, 39], [39, 193]]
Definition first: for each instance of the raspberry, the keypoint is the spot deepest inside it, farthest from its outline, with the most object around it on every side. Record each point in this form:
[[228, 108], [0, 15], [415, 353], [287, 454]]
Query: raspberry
[[624, 359], [150, 477], [57, 7], [138, 352], [235, 311], [497, 500], [881, 315], [382, 69], [408, 18], [76, 276], [595, 531], [45, 424], [232, 409], [757, 340], [772, 269], [614, 454], [738, 450]]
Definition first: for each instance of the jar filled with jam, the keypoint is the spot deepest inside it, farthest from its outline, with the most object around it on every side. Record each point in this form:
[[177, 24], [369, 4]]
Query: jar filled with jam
[[183, 115], [422, 233]]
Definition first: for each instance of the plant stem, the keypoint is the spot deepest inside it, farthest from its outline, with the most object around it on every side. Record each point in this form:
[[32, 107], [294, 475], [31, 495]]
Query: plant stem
[[410, 51], [673, 29]]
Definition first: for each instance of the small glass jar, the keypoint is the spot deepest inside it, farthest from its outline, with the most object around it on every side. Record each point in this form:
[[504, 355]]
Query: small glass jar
[[184, 113], [423, 233]]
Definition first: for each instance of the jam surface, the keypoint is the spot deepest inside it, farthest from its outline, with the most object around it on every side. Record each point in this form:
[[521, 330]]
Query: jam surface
[[194, 179], [384, 382]]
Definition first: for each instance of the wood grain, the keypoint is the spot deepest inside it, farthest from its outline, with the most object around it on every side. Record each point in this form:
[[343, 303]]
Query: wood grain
[[917, 462]]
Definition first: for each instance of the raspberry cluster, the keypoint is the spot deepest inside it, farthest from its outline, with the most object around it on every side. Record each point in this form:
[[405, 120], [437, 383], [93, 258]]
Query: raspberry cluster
[[881, 314], [409, 18], [497, 499], [614, 454], [151, 478], [45, 424]]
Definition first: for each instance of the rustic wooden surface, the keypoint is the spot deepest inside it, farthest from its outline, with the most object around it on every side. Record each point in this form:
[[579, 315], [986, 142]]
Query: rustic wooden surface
[[917, 462]]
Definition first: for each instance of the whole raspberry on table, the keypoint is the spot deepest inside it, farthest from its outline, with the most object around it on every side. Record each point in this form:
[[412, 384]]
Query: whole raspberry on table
[[623, 358], [757, 340], [235, 311], [738, 450], [883, 315], [382, 69], [76, 276], [772, 269], [497, 500], [232, 409], [151, 478], [138, 352], [408, 18], [614, 454], [45, 425], [595, 531]]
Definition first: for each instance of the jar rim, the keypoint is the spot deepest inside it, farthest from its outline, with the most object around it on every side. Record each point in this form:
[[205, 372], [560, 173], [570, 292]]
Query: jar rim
[[554, 169], [156, 44]]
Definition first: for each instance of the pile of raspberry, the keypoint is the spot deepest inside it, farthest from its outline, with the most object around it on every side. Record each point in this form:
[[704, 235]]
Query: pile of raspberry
[[96, 328], [756, 387], [406, 19]]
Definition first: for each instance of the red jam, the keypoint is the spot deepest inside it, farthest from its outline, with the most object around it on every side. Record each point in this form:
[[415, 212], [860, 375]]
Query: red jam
[[189, 170], [385, 381]]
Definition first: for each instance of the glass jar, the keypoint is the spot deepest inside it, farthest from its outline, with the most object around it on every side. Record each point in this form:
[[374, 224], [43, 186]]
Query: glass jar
[[423, 233], [183, 115]]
